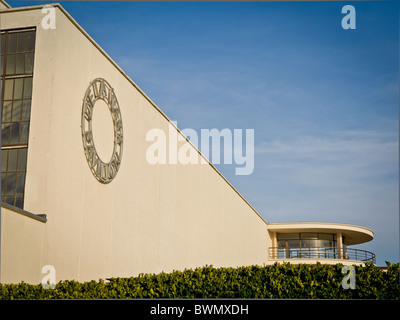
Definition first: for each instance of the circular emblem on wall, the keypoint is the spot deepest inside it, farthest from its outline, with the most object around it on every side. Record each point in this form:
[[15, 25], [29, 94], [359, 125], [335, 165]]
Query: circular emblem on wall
[[100, 89]]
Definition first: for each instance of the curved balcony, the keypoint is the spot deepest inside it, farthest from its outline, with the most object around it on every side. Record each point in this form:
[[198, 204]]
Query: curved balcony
[[322, 253]]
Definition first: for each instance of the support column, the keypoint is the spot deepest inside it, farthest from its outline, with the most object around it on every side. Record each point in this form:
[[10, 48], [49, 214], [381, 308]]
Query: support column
[[274, 244], [339, 240]]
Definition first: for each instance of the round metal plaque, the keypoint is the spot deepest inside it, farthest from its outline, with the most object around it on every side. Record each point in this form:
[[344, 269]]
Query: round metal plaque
[[100, 89]]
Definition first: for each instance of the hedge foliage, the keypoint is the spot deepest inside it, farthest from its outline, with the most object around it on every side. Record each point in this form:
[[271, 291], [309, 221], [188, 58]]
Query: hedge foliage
[[272, 281]]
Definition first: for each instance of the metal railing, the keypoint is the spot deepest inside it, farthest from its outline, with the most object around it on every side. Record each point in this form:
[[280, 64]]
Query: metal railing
[[322, 253]]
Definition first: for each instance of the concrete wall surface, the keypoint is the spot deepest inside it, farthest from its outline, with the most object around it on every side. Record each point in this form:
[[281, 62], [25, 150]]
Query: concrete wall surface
[[150, 218]]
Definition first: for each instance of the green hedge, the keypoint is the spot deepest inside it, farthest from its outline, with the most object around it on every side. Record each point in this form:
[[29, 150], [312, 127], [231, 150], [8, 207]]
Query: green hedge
[[272, 281]]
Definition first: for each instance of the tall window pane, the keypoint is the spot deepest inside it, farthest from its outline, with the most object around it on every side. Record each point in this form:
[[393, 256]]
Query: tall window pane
[[7, 111], [26, 110], [21, 42], [10, 183], [27, 88], [4, 159], [10, 65], [12, 43], [17, 57], [8, 89], [29, 62], [12, 160], [16, 111], [14, 138], [3, 44], [30, 41], [5, 134], [18, 88], [13, 174], [20, 66], [22, 159]]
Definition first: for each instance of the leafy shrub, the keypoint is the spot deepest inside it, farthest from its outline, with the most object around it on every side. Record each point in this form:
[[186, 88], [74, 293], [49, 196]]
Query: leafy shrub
[[272, 281]]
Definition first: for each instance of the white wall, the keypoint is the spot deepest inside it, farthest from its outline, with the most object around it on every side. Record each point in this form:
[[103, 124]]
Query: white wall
[[21, 247], [150, 218]]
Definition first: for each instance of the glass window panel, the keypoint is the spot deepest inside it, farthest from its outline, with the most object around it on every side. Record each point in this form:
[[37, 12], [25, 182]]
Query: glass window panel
[[28, 88], [20, 182], [293, 243], [7, 107], [10, 68], [309, 235], [282, 243], [10, 200], [20, 66], [24, 132], [21, 39], [8, 89], [18, 86], [325, 236], [288, 236], [12, 160], [19, 201], [30, 41], [5, 134], [3, 183], [17, 58], [10, 183], [309, 243], [325, 243], [14, 133], [22, 159], [3, 43], [16, 111], [12, 42], [29, 63], [26, 110], [4, 156]]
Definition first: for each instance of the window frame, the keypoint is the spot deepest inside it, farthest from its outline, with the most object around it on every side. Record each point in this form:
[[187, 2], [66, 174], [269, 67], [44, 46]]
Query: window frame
[[22, 105]]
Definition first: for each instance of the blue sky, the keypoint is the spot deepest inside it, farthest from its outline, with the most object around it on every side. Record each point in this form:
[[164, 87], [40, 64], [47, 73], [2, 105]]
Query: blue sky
[[323, 101]]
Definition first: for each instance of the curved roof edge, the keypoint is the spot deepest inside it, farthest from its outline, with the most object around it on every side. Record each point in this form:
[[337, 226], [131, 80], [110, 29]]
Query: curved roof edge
[[353, 234]]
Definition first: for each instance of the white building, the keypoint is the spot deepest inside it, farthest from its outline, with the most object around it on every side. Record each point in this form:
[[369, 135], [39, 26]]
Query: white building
[[66, 109]]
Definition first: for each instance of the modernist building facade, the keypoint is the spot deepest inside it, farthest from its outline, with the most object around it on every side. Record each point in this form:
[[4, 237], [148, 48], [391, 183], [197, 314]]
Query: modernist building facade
[[78, 194]]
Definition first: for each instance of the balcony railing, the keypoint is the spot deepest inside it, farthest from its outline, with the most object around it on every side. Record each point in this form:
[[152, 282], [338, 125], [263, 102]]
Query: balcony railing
[[321, 253]]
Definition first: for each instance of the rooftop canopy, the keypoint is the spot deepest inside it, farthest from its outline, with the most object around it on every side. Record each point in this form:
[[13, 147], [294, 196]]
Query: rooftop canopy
[[353, 234]]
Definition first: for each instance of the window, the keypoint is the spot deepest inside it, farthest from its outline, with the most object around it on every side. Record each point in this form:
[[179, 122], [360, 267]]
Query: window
[[13, 170], [17, 58], [307, 245], [306, 240]]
